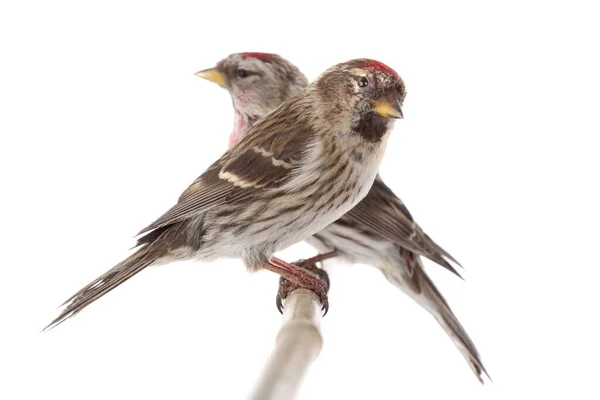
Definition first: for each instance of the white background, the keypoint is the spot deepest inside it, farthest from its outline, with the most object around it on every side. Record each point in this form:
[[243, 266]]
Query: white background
[[103, 124]]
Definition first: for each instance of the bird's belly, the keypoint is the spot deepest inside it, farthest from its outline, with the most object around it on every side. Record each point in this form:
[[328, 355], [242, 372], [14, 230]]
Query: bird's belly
[[293, 215], [330, 206]]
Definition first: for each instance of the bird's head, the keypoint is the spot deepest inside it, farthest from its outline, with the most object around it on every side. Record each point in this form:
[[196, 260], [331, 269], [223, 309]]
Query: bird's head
[[257, 82], [362, 95]]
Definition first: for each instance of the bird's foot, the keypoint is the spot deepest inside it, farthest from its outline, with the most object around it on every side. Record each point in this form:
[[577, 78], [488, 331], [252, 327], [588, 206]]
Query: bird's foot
[[306, 274], [309, 277]]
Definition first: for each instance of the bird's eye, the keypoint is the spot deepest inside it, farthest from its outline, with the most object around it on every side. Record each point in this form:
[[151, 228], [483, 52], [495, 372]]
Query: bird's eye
[[242, 73], [363, 82]]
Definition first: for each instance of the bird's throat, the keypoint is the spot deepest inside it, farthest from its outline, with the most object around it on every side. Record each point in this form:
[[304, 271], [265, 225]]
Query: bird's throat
[[241, 124], [372, 127]]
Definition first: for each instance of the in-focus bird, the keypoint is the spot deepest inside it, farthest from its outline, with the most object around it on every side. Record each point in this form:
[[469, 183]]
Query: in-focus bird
[[379, 231], [294, 172]]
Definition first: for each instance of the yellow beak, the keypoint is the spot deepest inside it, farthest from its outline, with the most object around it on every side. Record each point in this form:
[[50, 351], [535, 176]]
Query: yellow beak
[[213, 75], [388, 108]]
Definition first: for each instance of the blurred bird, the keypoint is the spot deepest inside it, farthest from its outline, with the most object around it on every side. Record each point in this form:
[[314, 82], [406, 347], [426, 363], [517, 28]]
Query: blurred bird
[[292, 174], [379, 231], [255, 82]]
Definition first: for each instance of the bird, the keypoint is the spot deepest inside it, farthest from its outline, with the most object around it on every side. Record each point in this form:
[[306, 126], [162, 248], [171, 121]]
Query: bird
[[293, 173], [379, 231]]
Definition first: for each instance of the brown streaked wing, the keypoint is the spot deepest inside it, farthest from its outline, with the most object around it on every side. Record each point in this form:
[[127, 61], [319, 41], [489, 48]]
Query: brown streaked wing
[[207, 191], [284, 132], [384, 213], [262, 160]]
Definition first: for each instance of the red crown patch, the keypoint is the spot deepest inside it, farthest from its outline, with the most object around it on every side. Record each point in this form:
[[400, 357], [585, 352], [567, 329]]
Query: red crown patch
[[379, 66], [265, 57]]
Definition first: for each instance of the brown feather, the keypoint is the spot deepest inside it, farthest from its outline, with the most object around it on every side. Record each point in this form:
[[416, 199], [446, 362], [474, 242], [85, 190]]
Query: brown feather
[[105, 283], [253, 165], [383, 213], [421, 285]]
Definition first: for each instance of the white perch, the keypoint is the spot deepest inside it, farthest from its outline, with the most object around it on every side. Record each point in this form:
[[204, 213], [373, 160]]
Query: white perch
[[297, 345]]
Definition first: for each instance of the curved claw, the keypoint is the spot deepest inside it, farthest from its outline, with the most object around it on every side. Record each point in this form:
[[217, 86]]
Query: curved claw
[[279, 303], [325, 307], [303, 273]]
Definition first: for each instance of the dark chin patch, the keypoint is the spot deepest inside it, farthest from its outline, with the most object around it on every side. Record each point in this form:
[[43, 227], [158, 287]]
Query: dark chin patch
[[372, 127]]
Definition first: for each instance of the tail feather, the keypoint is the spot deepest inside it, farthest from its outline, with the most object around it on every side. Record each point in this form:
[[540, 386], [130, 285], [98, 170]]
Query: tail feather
[[440, 250], [103, 284], [448, 320], [413, 280]]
